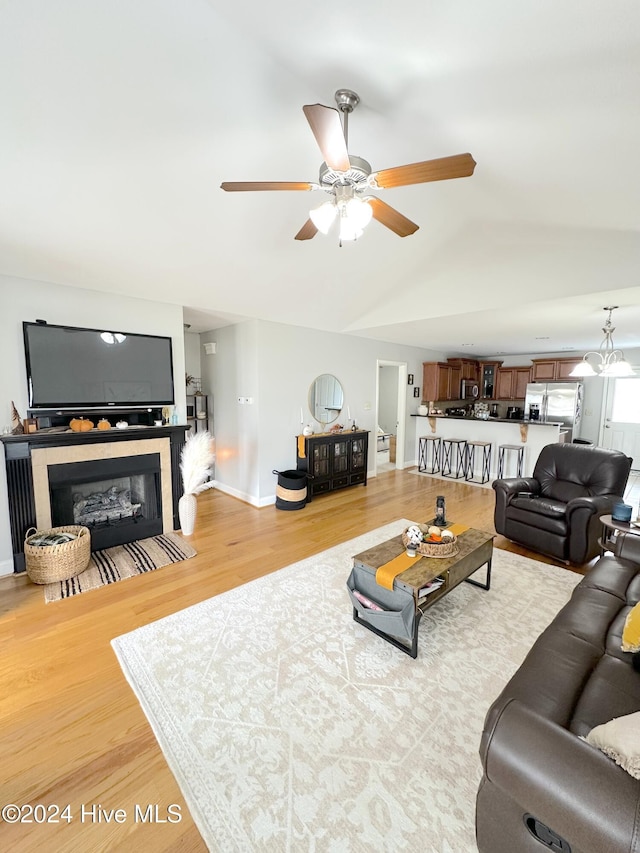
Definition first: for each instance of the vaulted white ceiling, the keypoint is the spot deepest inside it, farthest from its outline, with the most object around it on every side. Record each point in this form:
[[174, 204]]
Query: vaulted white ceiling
[[119, 119]]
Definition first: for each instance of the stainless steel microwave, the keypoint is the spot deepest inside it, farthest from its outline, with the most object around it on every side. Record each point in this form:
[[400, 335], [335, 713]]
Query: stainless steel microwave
[[469, 390]]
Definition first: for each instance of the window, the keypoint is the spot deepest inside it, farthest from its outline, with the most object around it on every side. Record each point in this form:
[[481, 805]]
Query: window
[[626, 400]]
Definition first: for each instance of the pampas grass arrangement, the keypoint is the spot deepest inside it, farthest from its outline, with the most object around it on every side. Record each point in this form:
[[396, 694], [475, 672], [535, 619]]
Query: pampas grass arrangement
[[196, 462]]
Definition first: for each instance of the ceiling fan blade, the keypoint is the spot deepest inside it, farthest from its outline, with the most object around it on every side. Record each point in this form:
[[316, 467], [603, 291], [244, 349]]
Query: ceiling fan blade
[[457, 166], [327, 129], [393, 219], [250, 186], [307, 231]]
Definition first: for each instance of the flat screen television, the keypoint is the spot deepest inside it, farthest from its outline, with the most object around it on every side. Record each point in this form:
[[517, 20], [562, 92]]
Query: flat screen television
[[70, 368]]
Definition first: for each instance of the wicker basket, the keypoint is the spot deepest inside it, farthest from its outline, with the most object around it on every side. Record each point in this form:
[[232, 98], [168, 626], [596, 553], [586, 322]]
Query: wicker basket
[[49, 563], [432, 549]]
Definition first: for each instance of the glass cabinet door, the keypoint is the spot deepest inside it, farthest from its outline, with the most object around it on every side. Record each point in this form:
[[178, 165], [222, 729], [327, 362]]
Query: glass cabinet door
[[340, 457], [357, 453], [320, 460]]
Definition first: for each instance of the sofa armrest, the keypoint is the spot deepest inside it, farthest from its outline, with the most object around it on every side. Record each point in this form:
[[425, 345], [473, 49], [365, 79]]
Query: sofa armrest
[[600, 504], [513, 485], [570, 786], [584, 525], [507, 489]]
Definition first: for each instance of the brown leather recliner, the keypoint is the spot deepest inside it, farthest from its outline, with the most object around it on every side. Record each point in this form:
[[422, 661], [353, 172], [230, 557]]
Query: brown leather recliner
[[556, 511]]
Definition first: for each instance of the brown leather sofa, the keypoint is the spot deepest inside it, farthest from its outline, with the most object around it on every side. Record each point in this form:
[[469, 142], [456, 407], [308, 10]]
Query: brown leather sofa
[[557, 510], [543, 788]]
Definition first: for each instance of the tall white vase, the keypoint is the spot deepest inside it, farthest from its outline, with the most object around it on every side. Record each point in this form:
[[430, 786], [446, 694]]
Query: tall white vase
[[187, 506]]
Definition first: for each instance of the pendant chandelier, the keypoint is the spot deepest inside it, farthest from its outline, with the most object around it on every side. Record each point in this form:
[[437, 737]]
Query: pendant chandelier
[[611, 360]]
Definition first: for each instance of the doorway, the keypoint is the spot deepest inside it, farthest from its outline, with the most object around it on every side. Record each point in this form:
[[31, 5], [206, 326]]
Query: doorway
[[391, 405]]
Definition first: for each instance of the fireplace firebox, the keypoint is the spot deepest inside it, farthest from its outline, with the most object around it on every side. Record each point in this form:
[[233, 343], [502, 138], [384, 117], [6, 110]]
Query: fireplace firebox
[[117, 499]]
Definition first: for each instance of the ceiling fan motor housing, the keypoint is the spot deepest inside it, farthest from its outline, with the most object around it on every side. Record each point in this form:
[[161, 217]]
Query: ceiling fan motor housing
[[357, 175], [347, 100]]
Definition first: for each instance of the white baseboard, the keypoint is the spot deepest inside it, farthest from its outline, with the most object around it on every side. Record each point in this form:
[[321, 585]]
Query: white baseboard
[[6, 568], [243, 496], [371, 474]]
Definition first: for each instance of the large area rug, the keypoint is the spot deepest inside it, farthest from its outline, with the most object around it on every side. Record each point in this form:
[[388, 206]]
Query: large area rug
[[121, 562], [291, 728]]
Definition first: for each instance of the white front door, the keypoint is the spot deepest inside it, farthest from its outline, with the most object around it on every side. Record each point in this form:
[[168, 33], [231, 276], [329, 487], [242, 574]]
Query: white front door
[[621, 428]]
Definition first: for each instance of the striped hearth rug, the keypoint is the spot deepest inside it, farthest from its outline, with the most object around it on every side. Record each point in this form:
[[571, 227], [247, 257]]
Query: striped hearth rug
[[122, 562]]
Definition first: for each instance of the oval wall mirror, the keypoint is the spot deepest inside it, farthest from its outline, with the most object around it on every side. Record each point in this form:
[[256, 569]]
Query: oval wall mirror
[[326, 398]]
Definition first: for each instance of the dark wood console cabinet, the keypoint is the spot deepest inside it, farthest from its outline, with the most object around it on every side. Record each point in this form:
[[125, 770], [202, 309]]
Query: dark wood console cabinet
[[334, 461]]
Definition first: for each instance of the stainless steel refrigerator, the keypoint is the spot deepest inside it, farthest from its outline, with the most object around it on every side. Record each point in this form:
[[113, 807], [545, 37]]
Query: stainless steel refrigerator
[[557, 402]]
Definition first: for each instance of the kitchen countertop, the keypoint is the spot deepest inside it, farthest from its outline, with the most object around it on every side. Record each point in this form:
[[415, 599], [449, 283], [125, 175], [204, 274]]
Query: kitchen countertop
[[491, 420]]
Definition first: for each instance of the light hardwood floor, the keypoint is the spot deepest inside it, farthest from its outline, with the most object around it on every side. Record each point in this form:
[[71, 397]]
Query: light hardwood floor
[[72, 731]]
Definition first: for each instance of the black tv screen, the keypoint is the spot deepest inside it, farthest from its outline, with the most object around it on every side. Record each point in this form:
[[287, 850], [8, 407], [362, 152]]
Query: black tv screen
[[70, 367]]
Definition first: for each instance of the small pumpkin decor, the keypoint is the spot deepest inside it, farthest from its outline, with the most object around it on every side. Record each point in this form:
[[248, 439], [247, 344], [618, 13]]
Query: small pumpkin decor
[[81, 424], [103, 423]]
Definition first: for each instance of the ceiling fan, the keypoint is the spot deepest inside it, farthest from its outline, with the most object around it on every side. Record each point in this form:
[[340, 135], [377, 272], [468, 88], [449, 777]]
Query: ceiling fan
[[348, 180]]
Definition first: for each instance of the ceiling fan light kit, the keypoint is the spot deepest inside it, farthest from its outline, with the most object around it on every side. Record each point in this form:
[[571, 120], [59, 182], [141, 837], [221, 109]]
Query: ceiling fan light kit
[[349, 180], [612, 360]]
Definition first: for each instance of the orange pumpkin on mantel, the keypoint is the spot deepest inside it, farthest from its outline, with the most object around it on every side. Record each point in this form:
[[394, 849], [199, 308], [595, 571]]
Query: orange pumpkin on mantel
[[81, 424]]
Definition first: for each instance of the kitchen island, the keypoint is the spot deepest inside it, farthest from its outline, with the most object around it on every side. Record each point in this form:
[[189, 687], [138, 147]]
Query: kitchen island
[[532, 435]]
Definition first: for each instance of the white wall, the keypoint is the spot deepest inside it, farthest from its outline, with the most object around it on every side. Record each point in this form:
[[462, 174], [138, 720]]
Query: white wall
[[231, 373], [192, 362], [22, 299], [275, 364]]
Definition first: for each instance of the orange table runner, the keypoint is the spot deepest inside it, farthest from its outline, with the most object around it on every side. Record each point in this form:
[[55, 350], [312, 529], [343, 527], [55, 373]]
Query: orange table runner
[[301, 452], [386, 574]]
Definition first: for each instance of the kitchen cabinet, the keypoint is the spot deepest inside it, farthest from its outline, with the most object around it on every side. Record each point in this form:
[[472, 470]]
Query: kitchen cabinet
[[469, 368], [522, 377], [487, 379], [543, 370], [550, 369], [504, 383], [440, 381], [454, 383], [564, 366], [333, 460], [512, 383]]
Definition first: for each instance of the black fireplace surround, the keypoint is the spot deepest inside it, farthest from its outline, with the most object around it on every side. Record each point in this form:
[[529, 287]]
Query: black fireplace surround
[[137, 523]]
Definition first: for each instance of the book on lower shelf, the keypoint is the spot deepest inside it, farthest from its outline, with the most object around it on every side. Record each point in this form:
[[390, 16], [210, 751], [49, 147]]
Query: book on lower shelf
[[430, 587]]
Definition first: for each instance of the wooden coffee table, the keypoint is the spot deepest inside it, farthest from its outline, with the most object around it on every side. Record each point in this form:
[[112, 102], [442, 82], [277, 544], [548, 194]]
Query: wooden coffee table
[[401, 608]]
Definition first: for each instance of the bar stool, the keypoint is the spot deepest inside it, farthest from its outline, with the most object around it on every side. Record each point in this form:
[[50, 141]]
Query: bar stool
[[508, 448], [435, 443], [454, 451], [486, 461]]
